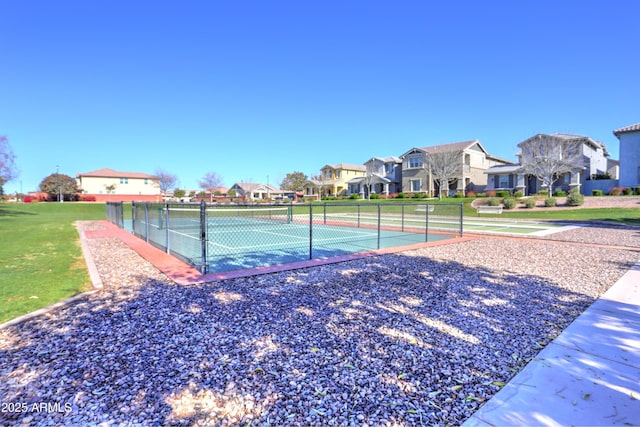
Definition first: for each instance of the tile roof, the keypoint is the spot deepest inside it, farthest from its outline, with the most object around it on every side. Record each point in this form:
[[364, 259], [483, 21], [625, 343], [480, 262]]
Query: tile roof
[[455, 146], [110, 173], [627, 129]]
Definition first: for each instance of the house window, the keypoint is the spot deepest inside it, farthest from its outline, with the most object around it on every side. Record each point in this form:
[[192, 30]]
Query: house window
[[124, 180], [337, 174], [414, 185], [388, 168], [415, 162], [146, 181], [503, 181]]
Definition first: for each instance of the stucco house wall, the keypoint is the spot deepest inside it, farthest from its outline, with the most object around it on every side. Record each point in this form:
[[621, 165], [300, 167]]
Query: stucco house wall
[[111, 185], [629, 137]]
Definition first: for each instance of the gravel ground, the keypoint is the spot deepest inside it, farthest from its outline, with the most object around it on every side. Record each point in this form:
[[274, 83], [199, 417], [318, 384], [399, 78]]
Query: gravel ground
[[418, 338]]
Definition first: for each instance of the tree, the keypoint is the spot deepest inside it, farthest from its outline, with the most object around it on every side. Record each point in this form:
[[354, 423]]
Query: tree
[[547, 157], [57, 184], [294, 181], [445, 167], [166, 180], [8, 169], [210, 181]]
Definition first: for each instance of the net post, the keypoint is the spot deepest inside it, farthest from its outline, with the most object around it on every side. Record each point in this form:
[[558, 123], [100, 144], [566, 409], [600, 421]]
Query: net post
[[203, 235]]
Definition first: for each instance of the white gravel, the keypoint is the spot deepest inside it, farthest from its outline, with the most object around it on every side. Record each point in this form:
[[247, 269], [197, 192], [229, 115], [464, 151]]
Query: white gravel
[[418, 338]]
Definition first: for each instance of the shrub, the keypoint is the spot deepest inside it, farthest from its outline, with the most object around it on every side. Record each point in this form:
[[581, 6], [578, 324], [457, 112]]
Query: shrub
[[393, 196], [550, 202], [543, 193], [502, 193], [559, 193], [491, 193], [530, 203], [638, 190], [493, 201], [354, 196], [596, 193], [482, 195], [374, 196], [509, 203], [401, 195], [458, 195], [416, 195], [29, 199], [616, 191], [518, 194], [628, 191], [473, 193], [575, 198]]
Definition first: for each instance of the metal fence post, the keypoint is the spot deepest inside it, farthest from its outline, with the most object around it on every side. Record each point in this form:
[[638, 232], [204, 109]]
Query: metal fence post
[[379, 221], [166, 222], [310, 231], [461, 218], [146, 222], [203, 235], [426, 223]]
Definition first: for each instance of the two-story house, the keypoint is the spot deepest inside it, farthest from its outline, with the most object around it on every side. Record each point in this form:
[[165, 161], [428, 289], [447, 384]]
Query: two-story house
[[111, 185], [474, 161], [592, 160], [629, 137], [383, 175], [333, 180]]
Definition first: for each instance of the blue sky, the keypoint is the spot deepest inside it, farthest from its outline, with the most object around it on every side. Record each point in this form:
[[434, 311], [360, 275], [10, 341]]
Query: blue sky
[[253, 90]]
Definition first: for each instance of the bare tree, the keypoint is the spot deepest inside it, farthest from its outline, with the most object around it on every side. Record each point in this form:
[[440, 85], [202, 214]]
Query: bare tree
[[210, 181], [547, 157], [445, 167], [8, 169], [166, 180], [373, 168]]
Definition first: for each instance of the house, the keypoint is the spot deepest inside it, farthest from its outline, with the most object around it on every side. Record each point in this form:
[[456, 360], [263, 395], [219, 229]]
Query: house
[[475, 160], [383, 175], [111, 185], [250, 191], [592, 161], [629, 137], [333, 180]]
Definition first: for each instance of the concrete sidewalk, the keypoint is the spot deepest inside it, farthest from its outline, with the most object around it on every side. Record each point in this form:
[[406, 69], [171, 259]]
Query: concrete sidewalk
[[589, 375]]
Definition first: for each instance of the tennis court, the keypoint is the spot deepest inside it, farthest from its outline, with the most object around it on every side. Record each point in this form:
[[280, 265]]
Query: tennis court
[[227, 238]]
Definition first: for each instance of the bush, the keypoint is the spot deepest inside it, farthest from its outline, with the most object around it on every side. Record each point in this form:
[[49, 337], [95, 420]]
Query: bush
[[550, 202], [638, 190], [29, 199], [530, 203], [354, 196], [416, 195], [616, 191], [628, 191], [493, 201], [482, 195], [502, 193], [473, 193], [491, 193], [509, 203], [518, 194], [401, 196], [596, 193], [575, 198], [543, 193], [458, 195], [374, 196], [559, 193]]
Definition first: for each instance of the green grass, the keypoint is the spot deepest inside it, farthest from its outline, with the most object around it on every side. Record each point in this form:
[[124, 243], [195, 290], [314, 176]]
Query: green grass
[[41, 260]]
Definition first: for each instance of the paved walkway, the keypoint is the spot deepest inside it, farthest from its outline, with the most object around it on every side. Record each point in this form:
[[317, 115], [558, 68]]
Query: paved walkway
[[589, 375]]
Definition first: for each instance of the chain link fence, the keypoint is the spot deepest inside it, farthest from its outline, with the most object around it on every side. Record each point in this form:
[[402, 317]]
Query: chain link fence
[[216, 238]]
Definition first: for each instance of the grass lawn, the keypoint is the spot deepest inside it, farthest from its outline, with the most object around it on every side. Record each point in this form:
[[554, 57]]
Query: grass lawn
[[41, 260]]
